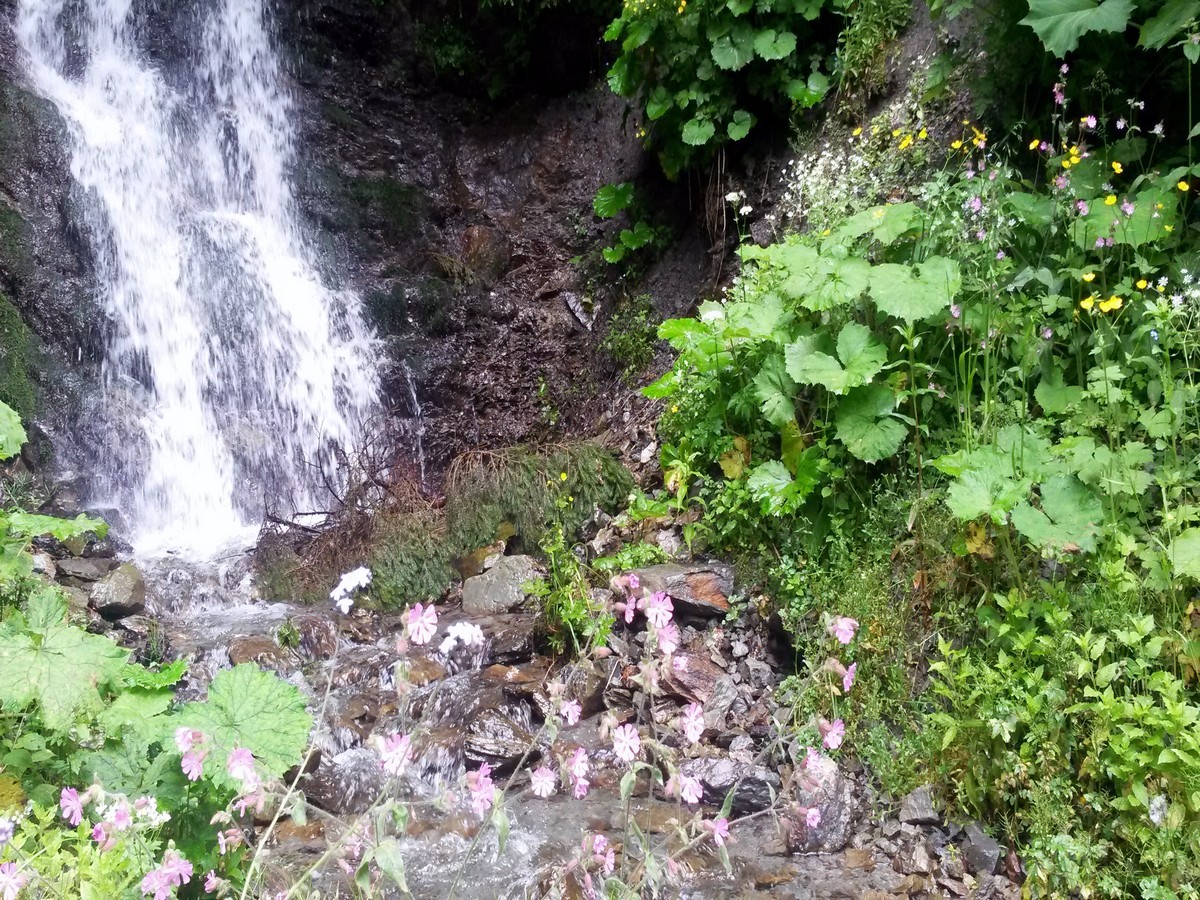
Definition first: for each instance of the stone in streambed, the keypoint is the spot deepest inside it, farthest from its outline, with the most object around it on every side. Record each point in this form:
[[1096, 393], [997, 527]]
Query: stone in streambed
[[698, 590], [501, 588], [754, 787], [121, 593], [820, 786], [85, 569]]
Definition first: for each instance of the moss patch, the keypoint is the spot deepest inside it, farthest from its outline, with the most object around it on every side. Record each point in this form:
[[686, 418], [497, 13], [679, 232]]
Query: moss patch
[[16, 352]]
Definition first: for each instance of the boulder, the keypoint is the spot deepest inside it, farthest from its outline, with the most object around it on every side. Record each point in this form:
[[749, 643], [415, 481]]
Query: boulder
[[121, 593], [821, 786], [754, 787], [499, 589], [698, 589], [85, 569], [917, 808], [697, 680], [981, 853]]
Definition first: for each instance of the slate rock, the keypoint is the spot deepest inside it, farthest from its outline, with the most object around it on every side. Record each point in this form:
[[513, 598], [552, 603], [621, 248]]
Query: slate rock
[[499, 589], [85, 569], [121, 593], [918, 809], [981, 853], [698, 589], [754, 787], [820, 785]]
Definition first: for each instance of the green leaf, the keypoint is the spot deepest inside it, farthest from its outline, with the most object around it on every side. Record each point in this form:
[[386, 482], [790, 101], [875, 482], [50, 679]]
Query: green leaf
[[12, 433], [865, 424], [32, 525], [57, 669], [698, 131], [612, 199], [1167, 23], [771, 45], [810, 92], [779, 492], [735, 49], [249, 708], [141, 711], [1069, 520], [985, 492], [1147, 223], [1061, 23], [913, 294], [1055, 397], [739, 126], [886, 223], [167, 676], [862, 357], [1185, 554], [658, 103], [614, 254], [775, 390]]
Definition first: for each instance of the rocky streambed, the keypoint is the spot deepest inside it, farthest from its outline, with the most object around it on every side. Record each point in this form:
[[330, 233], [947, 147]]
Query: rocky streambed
[[483, 691]]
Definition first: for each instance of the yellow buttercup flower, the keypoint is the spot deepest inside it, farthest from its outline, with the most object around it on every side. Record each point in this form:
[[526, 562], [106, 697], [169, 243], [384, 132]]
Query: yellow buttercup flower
[[1183, 185], [1088, 276], [1075, 160], [826, 233], [1066, 164], [906, 142], [1033, 145], [857, 131], [1118, 168], [895, 132], [562, 476], [957, 145], [1142, 284], [1110, 200], [1113, 302], [1087, 302], [1168, 228], [922, 134]]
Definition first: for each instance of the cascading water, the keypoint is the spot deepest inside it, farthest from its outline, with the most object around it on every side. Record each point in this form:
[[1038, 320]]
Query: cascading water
[[233, 370]]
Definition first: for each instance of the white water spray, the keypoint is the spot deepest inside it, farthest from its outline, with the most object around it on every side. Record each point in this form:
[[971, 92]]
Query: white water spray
[[233, 369]]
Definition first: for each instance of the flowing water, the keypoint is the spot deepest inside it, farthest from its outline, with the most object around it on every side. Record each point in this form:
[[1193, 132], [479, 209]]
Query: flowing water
[[233, 369]]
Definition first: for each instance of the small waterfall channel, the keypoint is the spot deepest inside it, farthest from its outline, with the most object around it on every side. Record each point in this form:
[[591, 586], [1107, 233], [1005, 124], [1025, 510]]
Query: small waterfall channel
[[233, 368]]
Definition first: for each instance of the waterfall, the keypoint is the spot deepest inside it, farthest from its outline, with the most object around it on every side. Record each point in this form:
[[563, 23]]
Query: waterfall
[[233, 369]]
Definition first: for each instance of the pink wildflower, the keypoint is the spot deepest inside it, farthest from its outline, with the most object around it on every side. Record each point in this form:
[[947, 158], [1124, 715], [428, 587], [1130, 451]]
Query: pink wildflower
[[175, 868], [72, 806], [634, 581], [543, 782], [1090, 122], [693, 722], [719, 828], [397, 751], [571, 710], [156, 883], [578, 764], [241, 764], [955, 311], [659, 609], [843, 628], [187, 738], [626, 743], [119, 816], [422, 623], [668, 638], [211, 882], [690, 789], [848, 678], [832, 733], [1082, 207], [812, 818], [100, 836], [192, 765], [580, 788], [11, 880], [482, 789]]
